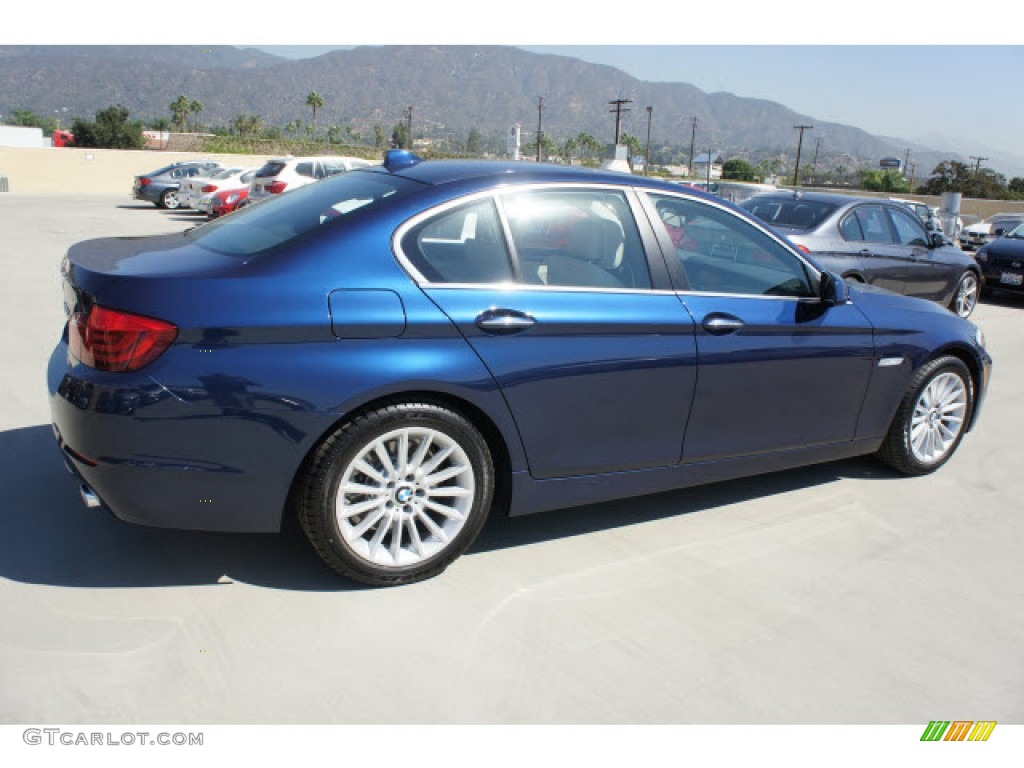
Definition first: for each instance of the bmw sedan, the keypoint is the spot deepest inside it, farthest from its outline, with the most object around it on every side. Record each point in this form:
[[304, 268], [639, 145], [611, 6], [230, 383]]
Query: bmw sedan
[[879, 242], [393, 354], [1002, 262], [160, 187]]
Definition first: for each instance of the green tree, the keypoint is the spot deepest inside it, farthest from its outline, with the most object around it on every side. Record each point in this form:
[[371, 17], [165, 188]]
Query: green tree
[[400, 136], [195, 107], [333, 134], [738, 169], [180, 109], [1017, 185], [160, 124], [29, 119], [111, 130], [314, 101], [474, 142], [294, 127], [634, 146], [588, 146], [378, 137]]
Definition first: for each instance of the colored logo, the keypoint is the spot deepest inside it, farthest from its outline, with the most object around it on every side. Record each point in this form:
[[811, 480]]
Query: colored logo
[[959, 730]]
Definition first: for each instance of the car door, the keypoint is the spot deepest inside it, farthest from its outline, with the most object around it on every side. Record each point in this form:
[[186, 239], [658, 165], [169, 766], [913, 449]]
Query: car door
[[553, 288], [926, 275], [884, 263], [777, 369]]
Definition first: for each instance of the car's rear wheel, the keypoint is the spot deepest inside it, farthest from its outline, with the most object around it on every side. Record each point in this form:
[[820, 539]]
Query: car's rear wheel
[[169, 199], [931, 419], [967, 292], [397, 494]]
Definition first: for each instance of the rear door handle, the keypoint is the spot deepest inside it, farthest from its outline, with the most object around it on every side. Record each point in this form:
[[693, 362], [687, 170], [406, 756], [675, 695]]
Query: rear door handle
[[720, 324], [502, 322]]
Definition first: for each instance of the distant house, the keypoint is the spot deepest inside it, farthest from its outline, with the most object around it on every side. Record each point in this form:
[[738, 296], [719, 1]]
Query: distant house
[[677, 170], [700, 165]]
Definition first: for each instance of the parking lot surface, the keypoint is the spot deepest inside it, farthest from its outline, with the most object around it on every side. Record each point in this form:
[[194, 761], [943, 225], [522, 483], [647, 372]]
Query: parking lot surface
[[841, 593]]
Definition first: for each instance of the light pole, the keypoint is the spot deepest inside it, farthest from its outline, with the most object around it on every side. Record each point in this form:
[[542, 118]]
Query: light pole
[[799, 146], [693, 136], [647, 159], [540, 132]]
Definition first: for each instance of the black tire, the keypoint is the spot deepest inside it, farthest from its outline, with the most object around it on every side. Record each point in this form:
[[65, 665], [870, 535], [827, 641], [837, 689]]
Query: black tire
[[397, 502], [965, 297], [169, 199], [898, 449]]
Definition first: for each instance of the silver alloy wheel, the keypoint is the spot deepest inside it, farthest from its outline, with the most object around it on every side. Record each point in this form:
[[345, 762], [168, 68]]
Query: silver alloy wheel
[[170, 199], [938, 418], [405, 496], [966, 295]]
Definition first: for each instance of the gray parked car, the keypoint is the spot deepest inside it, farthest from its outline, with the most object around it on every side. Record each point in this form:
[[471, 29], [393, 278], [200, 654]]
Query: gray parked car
[[161, 186], [867, 240]]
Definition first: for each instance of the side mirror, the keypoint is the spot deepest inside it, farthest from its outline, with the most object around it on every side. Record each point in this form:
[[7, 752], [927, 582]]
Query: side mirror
[[936, 239], [999, 232], [832, 290]]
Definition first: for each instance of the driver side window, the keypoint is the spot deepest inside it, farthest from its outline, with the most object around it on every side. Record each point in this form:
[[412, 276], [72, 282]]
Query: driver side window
[[723, 253]]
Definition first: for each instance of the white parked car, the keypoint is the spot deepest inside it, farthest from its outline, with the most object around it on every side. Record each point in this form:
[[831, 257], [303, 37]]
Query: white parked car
[[192, 189], [239, 179], [287, 173], [986, 231]]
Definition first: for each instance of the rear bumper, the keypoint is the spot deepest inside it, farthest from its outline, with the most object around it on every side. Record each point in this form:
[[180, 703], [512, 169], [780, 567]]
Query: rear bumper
[[173, 460]]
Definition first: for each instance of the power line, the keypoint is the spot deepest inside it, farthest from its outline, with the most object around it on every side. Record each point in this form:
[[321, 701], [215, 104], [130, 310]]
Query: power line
[[799, 146], [618, 110]]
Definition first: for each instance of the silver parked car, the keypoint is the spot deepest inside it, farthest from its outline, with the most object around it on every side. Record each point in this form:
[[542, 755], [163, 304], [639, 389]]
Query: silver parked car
[[879, 242]]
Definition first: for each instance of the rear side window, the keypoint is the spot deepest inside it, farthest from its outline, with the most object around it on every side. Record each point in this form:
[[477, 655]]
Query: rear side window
[[305, 169], [462, 245], [874, 224], [266, 225]]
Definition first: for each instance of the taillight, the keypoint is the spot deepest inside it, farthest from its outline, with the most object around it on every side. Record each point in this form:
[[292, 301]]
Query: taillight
[[276, 187], [209, 188], [111, 340], [143, 181], [804, 248]]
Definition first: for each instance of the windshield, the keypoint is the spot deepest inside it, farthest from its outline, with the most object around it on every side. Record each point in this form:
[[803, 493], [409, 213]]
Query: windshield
[[789, 212], [285, 217], [1017, 233]]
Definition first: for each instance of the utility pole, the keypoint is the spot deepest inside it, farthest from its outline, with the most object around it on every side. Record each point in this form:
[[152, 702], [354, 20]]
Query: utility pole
[[913, 170], [647, 159], [693, 136], [408, 124], [906, 160], [977, 163], [708, 189], [799, 146], [618, 110], [540, 131]]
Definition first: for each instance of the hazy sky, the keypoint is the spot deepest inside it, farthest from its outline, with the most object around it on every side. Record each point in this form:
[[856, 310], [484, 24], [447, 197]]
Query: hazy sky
[[868, 66]]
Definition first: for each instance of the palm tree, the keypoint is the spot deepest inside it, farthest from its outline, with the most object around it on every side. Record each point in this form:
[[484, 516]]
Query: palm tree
[[315, 101], [333, 133], [195, 107], [179, 110]]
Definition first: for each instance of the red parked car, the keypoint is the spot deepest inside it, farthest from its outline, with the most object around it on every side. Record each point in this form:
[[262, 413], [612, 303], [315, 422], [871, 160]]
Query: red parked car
[[227, 200]]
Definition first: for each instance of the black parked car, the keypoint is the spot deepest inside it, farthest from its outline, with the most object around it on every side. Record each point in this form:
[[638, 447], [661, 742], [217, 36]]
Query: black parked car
[[161, 186], [1002, 262], [867, 240]]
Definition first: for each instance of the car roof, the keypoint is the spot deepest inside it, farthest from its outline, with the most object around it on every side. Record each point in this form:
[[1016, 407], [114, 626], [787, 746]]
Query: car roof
[[437, 172], [821, 197]]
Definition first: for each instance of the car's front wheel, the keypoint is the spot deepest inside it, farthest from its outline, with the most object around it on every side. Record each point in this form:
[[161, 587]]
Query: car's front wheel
[[395, 495], [169, 199], [931, 419], [967, 292]]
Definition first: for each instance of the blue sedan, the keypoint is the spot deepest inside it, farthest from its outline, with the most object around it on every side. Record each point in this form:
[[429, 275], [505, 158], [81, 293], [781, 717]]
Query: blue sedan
[[393, 354]]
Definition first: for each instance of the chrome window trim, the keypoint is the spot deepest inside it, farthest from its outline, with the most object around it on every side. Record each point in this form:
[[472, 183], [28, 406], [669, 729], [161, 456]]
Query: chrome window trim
[[495, 194]]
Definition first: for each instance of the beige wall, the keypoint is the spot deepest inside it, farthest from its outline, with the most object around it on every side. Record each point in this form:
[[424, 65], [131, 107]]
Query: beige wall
[[107, 171], [968, 206]]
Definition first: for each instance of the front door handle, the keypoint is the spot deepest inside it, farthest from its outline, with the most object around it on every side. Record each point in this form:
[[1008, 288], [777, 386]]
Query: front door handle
[[720, 324], [501, 322]]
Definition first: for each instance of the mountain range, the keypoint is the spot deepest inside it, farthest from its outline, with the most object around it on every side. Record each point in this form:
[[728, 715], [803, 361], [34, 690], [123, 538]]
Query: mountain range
[[452, 90]]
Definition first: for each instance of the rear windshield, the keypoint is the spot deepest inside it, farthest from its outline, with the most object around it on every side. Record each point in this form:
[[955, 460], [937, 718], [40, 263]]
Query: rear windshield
[[282, 218], [792, 213], [271, 168]]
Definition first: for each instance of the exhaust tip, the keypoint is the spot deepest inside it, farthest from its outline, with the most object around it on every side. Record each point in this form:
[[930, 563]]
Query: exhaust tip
[[89, 497]]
